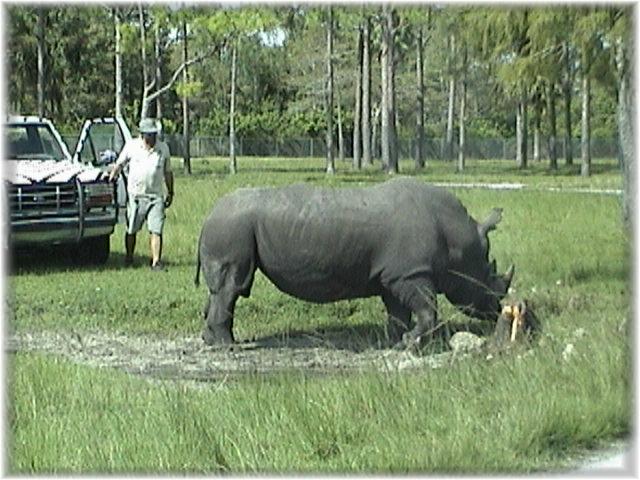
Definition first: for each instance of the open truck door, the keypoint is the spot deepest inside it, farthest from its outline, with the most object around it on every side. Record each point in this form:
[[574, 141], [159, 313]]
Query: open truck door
[[100, 142]]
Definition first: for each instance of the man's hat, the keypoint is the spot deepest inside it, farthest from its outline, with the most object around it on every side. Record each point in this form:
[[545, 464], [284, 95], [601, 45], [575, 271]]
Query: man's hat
[[148, 125]]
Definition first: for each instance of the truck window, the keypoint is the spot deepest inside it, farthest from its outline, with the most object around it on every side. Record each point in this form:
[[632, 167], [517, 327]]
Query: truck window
[[33, 142]]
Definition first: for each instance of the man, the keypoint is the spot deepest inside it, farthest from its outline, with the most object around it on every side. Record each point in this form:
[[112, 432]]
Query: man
[[149, 168]]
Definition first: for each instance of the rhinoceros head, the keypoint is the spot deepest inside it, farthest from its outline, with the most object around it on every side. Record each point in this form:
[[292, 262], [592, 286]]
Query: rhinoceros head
[[477, 286], [492, 287], [486, 297]]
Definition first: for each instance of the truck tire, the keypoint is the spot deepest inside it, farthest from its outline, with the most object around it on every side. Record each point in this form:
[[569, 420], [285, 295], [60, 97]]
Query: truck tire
[[94, 251]]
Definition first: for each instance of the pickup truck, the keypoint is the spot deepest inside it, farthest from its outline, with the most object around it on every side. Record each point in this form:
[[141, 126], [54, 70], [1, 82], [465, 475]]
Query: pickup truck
[[55, 198]]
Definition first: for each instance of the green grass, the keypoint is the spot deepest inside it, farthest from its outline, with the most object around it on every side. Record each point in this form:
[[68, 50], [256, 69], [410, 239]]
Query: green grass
[[513, 414]]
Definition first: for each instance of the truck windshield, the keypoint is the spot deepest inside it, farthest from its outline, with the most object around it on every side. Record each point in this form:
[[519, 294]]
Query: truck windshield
[[33, 142]]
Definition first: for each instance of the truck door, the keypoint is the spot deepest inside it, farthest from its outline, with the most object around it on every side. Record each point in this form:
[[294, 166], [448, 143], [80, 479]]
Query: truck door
[[100, 142]]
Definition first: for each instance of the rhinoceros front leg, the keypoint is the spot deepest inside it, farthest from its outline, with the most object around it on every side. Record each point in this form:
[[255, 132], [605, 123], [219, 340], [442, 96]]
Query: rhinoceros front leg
[[398, 317], [420, 296], [219, 318], [426, 320]]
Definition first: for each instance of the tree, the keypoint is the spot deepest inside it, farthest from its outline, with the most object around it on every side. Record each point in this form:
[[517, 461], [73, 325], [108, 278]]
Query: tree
[[587, 35], [621, 37], [547, 32], [233, 166], [388, 134], [463, 111], [509, 42], [366, 93], [448, 149], [329, 92], [118, 60], [151, 91], [186, 134], [567, 88], [357, 110], [552, 141], [419, 153], [42, 19]]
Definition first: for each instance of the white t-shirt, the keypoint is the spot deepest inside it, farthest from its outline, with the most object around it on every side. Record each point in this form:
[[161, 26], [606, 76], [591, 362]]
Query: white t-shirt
[[147, 167]]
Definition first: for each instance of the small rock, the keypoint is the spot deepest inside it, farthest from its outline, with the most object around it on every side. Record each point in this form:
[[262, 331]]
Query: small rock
[[466, 342], [579, 333], [568, 352]]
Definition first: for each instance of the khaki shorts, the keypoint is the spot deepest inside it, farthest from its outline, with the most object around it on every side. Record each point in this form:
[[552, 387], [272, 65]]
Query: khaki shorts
[[145, 207]]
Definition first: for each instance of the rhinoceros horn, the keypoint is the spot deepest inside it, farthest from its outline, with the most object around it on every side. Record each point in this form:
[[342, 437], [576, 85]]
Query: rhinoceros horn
[[508, 276], [490, 223]]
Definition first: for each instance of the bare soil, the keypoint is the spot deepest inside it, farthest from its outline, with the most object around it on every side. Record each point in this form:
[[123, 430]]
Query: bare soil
[[187, 358]]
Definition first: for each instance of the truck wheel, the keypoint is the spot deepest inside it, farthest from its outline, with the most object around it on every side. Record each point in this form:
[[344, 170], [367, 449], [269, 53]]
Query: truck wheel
[[94, 251]]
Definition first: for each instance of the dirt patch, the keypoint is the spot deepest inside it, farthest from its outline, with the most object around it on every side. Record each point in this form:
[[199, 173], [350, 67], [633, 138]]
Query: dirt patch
[[189, 359]]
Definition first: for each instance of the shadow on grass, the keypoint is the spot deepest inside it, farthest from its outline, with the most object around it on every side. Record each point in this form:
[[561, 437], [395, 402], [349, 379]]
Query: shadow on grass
[[62, 258], [601, 273], [363, 337]]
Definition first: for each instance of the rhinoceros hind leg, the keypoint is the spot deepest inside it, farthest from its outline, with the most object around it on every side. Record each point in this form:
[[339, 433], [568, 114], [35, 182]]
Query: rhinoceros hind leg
[[398, 318]]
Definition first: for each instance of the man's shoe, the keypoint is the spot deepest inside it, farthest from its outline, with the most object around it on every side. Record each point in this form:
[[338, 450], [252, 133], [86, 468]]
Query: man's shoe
[[158, 267], [128, 261]]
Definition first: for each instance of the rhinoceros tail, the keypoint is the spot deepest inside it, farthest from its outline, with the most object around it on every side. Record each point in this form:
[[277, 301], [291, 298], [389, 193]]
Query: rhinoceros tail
[[196, 280]]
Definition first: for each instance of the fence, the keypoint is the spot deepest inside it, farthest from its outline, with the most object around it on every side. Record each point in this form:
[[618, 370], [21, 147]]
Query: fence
[[476, 148]]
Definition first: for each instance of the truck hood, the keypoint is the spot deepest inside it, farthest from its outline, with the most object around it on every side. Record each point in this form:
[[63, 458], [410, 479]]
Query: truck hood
[[27, 172]]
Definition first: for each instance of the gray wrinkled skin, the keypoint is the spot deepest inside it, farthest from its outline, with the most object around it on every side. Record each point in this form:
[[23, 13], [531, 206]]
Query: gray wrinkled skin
[[402, 240]]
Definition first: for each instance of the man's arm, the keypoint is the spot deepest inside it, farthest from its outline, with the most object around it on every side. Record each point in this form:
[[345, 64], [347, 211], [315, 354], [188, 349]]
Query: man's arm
[[122, 160], [168, 179]]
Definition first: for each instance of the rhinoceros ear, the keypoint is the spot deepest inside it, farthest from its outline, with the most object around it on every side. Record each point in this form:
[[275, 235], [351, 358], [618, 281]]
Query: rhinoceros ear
[[490, 223]]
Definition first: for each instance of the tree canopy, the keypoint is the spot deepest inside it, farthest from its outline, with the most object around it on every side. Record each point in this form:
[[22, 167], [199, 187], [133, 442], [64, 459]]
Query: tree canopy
[[511, 53]]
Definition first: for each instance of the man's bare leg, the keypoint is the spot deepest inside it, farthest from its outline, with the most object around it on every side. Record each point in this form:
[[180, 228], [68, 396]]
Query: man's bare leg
[[156, 248]]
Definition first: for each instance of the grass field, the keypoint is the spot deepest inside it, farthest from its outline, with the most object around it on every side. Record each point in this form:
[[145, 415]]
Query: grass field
[[516, 413]]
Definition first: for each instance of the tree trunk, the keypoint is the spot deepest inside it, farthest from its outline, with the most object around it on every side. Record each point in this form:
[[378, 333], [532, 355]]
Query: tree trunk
[[144, 109], [393, 112], [118, 59], [233, 166], [340, 129], [357, 111], [41, 56], [585, 138], [419, 159], [186, 153], [625, 118], [551, 108], [385, 119], [448, 146], [567, 86], [521, 133], [388, 127], [375, 131], [366, 94], [158, 72], [462, 118], [537, 129], [329, 94]]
